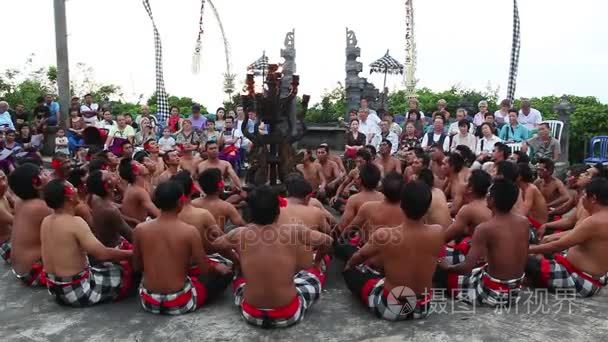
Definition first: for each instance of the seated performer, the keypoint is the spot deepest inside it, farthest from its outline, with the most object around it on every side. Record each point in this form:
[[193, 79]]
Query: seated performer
[[274, 264], [210, 181], [456, 174], [552, 189], [388, 162], [373, 215], [580, 262], [472, 214], [408, 255], [331, 170], [108, 225], [369, 176], [503, 242], [313, 172], [172, 160], [534, 205], [136, 202], [26, 182], [163, 250], [363, 156], [236, 194], [6, 220], [66, 242], [438, 212]]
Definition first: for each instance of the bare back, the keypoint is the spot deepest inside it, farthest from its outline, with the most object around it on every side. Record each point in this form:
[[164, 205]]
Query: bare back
[[438, 212], [330, 170], [132, 203], [6, 220], [204, 222], [591, 255], [535, 200], [380, 214], [311, 172], [61, 252], [25, 239], [221, 210]]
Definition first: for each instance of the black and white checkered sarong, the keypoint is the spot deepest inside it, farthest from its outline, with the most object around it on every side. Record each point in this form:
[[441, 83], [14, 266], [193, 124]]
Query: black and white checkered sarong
[[481, 288], [5, 251]]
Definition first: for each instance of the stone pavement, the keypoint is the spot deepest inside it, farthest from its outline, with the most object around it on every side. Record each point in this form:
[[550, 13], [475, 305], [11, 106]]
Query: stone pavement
[[31, 315]]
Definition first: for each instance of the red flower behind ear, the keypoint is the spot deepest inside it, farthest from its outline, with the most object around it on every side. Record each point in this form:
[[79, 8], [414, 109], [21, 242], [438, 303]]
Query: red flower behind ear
[[221, 185], [36, 180], [193, 188], [135, 168], [56, 164], [282, 201], [183, 199], [68, 191]]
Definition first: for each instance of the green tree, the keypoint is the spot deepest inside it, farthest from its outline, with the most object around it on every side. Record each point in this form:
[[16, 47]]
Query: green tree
[[331, 107]]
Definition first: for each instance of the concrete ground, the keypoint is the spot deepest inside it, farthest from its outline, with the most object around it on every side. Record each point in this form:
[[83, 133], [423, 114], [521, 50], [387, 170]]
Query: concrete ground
[[31, 315]]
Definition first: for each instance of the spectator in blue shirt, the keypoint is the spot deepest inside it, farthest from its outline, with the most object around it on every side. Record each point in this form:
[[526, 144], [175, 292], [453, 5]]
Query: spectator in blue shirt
[[6, 122], [53, 108], [513, 131]]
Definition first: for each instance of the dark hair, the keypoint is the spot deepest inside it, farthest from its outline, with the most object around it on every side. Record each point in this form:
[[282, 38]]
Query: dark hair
[[95, 184], [466, 153], [426, 176], [504, 149], [355, 119], [264, 205], [439, 116], [209, 179], [364, 154], [323, 146], [522, 157], [370, 175], [480, 181], [598, 188], [184, 179], [505, 194], [488, 114], [513, 110], [167, 195], [388, 142], [549, 164], [416, 199], [456, 161], [23, 179], [97, 164], [413, 111], [176, 107], [210, 142], [507, 169], [578, 169], [437, 146], [464, 122], [486, 124], [391, 187], [140, 155], [125, 170], [297, 186], [426, 158], [75, 177], [54, 193], [525, 172], [545, 124], [371, 149]]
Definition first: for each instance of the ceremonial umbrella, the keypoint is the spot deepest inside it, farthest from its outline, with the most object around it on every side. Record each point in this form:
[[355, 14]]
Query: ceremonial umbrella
[[260, 66], [386, 65]]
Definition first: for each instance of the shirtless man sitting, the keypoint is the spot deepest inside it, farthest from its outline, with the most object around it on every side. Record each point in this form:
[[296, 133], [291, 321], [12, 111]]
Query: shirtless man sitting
[[454, 169], [372, 216], [420, 161], [26, 182], [171, 159], [236, 194], [164, 249], [388, 162], [77, 177], [272, 263], [336, 159], [66, 241], [143, 158], [503, 242], [438, 213], [61, 165], [151, 146], [313, 172], [108, 225], [136, 203], [580, 262], [186, 160], [472, 214], [212, 184], [552, 189], [6, 220], [369, 177], [362, 157], [408, 255], [571, 183], [331, 170], [437, 159], [534, 204]]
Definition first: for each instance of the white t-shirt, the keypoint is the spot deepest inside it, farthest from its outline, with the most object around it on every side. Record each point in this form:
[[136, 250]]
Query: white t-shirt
[[453, 128], [392, 137], [534, 118], [166, 144], [488, 144], [94, 107], [126, 132], [469, 140], [106, 125], [369, 128], [500, 118]]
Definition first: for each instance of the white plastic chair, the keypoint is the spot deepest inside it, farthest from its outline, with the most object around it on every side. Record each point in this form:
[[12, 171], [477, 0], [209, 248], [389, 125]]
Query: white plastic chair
[[556, 128], [514, 147]]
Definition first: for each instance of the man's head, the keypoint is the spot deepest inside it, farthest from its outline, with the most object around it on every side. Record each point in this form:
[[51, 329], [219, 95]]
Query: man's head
[[363, 103], [544, 130], [385, 126], [184, 179], [169, 196], [100, 183], [545, 168], [308, 155], [298, 187], [442, 105], [59, 194], [438, 124], [489, 118], [127, 148], [415, 200], [143, 158], [519, 157], [212, 149], [391, 187], [437, 152], [526, 174], [263, 205], [109, 157], [171, 158], [371, 149], [501, 152], [505, 105], [211, 181], [369, 175], [229, 123], [240, 113], [19, 108], [503, 196], [574, 173], [461, 114], [412, 103], [10, 135], [61, 163], [362, 157], [506, 170], [478, 183], [464, 126], [422, 161], [385, 147], [454, 163], [196, 110], [513, 114], [388, 117], [129, 170], [466, 153], [145, 110], [596, 194], [525, 106], [26, 181], [48, 98], [426, 176], [322, 152], [363, 113], [88, 99]]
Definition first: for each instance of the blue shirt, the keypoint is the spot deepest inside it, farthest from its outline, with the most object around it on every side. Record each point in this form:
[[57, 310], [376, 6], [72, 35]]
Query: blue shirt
[[517, 134], [6, 121], [54, 108]]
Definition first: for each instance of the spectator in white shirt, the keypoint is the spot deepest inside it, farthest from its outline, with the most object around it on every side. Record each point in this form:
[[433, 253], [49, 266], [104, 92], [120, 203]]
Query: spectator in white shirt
[[107, 122], [437, 136], [363, 104], [385, 133], [394, 127], [6, 122], [367, 126], [502, 115], [413, 104], [464, 137], [480, 117], [461, 114], [485, 145], [166, 142], [529, 116], [89, 110]]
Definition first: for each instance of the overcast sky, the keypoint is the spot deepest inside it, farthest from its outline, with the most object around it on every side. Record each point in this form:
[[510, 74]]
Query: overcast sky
[[564, 43]]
